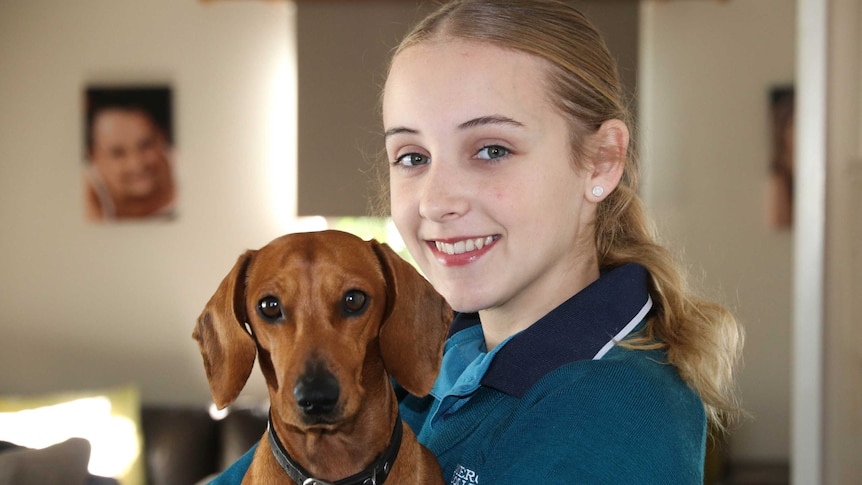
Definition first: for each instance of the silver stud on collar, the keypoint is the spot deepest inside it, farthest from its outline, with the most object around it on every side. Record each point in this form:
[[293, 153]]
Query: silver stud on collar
[[314, 481]]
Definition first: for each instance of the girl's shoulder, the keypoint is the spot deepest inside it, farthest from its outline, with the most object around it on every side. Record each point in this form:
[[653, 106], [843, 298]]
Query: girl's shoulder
[[625, 417], [626, 384]]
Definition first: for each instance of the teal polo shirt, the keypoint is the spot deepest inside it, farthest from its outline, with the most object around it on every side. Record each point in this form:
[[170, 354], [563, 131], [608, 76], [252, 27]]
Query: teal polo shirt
[[560, 402]]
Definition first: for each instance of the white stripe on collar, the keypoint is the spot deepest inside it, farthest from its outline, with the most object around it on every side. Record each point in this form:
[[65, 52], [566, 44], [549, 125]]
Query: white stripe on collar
[[625, 330]]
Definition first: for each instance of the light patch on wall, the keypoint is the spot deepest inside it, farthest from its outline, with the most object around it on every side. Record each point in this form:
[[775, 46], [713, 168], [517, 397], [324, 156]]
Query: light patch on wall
[[283, 132], [380, 228]]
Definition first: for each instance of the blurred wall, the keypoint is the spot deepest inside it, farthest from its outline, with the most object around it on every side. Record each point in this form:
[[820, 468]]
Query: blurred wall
[[706, 72], [842, 253], [84, 305]]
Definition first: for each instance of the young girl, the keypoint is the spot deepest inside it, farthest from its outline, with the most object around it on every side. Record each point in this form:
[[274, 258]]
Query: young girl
[[578, 355]]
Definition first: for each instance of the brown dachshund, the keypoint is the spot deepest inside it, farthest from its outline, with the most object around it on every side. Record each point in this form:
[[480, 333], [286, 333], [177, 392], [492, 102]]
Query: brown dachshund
[[331, 317]]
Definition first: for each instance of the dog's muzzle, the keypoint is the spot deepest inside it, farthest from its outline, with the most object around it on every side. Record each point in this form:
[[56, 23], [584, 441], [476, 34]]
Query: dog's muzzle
[[316, 391]]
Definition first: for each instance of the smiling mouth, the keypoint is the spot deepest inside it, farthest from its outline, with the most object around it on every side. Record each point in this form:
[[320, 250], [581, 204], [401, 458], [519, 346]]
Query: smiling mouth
[[464, 246]]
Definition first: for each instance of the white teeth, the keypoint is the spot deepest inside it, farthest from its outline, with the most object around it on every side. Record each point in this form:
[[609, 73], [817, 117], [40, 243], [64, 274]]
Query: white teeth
[[464, 246]]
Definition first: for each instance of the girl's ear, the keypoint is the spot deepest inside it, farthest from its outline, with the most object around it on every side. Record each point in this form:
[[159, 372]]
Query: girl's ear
[[606, 170]]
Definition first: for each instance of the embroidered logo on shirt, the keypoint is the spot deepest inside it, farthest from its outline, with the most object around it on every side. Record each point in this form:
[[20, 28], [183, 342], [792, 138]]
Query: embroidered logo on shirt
[[464, 476]]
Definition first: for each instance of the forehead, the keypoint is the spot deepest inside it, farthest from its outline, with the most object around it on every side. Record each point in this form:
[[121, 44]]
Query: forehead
[[121, 115], [120, 121], [305, 259], [467, 76]]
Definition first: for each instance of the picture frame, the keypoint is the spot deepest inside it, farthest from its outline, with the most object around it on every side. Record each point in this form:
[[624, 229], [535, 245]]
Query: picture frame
[[129, 144]]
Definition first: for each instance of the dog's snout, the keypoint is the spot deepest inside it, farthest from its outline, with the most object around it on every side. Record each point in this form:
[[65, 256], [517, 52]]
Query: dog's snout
[[316, 391]]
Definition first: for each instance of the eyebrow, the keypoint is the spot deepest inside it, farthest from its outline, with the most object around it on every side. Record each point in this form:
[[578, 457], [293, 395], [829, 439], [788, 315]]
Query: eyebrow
[[399, 130], [490, 120], [480, 121]]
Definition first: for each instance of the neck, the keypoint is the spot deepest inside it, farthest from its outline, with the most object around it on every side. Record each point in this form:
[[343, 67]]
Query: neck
[[527, 307]]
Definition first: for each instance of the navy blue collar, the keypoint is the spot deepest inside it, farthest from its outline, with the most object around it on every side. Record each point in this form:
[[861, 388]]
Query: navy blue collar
[[576, 330]]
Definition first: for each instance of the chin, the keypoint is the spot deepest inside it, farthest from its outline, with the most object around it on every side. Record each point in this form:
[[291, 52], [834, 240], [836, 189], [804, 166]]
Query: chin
[[460, 304], [462, 294]]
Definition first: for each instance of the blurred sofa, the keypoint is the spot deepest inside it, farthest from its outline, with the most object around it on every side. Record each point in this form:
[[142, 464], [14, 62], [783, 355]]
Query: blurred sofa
[[181, 446], [186, 446]]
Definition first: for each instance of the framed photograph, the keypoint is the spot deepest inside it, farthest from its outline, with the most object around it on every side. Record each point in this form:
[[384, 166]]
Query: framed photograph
[[128, 153], [780, 196]]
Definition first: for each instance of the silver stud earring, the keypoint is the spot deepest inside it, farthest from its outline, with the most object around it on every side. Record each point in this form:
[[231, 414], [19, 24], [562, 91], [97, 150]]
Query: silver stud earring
[[598, 190]]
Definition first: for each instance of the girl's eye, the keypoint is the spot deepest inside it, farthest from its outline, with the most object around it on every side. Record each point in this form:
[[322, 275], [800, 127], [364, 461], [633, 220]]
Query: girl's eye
[[493, 152], [412, 160]]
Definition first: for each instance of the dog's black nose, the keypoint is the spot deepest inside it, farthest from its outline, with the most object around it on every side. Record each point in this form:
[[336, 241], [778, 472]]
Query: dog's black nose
[[316, 392]]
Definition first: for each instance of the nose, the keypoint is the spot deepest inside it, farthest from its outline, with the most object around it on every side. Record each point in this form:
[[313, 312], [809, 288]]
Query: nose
[[442, 196], [316, 391], [143, 159]]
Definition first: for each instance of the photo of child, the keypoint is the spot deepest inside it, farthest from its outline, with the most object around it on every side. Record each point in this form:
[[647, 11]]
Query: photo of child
[[129, 142]]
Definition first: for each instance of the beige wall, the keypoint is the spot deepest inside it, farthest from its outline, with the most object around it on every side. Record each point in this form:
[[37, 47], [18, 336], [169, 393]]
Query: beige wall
[[706, 71], [84, 305], [842, 342]]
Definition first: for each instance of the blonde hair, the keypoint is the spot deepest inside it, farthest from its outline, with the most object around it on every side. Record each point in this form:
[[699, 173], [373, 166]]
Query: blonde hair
[[701, 338]]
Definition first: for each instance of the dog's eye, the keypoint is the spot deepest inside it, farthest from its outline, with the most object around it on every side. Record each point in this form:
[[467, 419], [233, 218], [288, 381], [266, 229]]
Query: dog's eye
[[270, 308], [354, 302]]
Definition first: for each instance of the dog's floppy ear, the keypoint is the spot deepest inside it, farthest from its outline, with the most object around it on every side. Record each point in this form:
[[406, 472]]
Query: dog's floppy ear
[[415, 325], [227, 348]]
